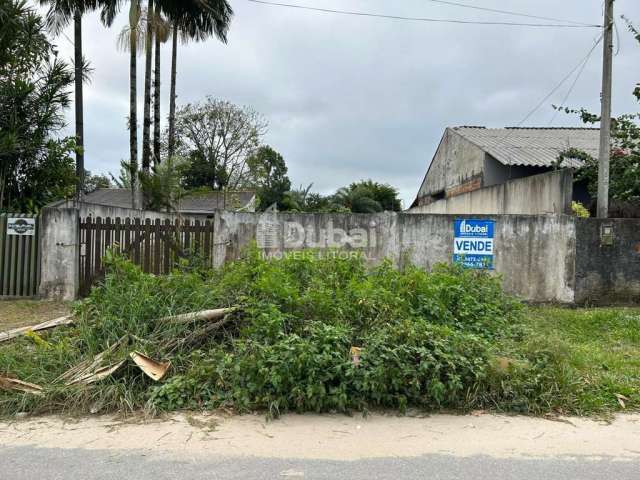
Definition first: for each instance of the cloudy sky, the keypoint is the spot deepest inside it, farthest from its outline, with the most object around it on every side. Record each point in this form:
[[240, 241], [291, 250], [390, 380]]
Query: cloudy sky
[[351, 98]]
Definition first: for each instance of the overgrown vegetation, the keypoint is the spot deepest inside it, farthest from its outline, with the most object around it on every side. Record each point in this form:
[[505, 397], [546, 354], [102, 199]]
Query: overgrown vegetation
[[448, 339]]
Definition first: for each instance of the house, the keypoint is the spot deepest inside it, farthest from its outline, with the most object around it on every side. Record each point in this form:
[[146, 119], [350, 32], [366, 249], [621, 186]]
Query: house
[[504, 170], [200, 203]]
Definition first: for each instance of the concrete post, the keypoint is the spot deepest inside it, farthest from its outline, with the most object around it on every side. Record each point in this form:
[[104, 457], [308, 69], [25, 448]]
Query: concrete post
[[60, 254]]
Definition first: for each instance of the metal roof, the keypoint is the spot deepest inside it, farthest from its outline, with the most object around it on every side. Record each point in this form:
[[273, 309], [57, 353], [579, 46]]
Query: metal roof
[[538, 147]]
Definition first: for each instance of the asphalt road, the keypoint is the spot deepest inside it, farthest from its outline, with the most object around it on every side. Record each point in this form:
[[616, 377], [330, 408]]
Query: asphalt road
[[31, 463]]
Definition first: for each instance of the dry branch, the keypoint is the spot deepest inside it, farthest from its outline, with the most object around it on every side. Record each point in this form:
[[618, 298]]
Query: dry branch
[[7, 383], [208, 315], [16, 332]]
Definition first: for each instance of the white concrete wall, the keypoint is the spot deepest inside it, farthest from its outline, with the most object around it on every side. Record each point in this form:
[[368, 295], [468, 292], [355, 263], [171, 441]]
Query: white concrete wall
[[547, 193]]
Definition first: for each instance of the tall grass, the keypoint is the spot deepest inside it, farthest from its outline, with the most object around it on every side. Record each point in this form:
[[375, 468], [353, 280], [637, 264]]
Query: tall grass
[[446, 339]]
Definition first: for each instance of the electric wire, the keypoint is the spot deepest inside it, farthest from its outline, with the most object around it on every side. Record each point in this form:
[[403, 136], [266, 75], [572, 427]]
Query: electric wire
[[419, 19], [508, 12]]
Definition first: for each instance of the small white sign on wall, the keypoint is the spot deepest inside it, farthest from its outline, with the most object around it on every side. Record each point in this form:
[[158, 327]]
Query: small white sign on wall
[[21, 226]]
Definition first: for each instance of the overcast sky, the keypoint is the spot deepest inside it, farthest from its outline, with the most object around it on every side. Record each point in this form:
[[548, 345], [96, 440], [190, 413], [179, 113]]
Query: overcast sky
[[350, 98]]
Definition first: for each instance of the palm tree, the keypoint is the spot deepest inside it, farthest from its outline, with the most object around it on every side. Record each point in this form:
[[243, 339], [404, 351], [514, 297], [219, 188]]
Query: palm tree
[[60, 14], [146, 125], [129, 40], [161, 29], [195, 20]]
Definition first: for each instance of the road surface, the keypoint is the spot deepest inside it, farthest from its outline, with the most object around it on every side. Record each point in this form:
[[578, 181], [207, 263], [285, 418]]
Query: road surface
[[320, 447]]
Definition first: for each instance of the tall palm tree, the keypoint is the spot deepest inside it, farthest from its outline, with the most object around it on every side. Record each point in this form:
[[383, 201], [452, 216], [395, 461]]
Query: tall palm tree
[[194, 20], [61, 13], [161, 34], [146, 125], [129, 40]]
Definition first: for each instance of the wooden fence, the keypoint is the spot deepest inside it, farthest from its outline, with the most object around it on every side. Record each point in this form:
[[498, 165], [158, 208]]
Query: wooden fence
[[155, 246], [19, 255]]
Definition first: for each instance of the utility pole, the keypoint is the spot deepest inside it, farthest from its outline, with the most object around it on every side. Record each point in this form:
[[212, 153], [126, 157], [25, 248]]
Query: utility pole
[[605, 120]]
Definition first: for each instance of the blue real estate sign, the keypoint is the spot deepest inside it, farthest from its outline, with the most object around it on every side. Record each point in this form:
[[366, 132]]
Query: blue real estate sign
[[473, 243]]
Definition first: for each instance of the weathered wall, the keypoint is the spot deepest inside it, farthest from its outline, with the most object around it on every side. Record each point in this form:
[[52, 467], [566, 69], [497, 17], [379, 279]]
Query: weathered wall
[[456, 161], [607, 274], [542, 258], [103, 211], [534, 254], [60, 253], [547, 193]]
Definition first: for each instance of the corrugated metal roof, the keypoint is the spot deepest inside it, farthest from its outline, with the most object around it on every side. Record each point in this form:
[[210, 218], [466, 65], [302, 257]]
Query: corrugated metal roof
[[537, 147]]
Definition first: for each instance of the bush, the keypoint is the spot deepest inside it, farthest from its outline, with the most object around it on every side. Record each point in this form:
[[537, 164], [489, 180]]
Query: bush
[[429, 340]]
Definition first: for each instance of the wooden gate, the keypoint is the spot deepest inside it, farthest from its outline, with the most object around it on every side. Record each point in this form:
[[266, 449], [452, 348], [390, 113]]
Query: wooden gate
[[155, 246], [19, 255]]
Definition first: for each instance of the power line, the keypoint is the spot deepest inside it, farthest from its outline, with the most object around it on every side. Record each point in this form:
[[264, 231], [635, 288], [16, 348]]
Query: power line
[[575, 81], [418, 19], [557, 87], [508, 12]]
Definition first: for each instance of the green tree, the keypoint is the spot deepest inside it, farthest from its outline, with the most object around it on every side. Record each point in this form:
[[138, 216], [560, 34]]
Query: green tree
[[94, 182], [61, 13], [624, 175], [268, 173], [192, 21], [368, 196], [163, 186], [35, 167], [217, 137]]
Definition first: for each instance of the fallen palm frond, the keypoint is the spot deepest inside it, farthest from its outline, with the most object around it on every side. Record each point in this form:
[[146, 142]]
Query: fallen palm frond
[[7, 383], [16, 332], [92, 370], [152, 368]]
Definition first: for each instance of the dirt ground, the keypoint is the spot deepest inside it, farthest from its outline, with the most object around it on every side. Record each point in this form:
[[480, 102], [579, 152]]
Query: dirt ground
[[335, 437], [20, 313]]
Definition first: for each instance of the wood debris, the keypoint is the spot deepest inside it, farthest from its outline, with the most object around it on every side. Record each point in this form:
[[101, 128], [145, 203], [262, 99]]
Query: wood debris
[[208, 315], [7, 383], [152, 368], [93, 370], [16, 332]]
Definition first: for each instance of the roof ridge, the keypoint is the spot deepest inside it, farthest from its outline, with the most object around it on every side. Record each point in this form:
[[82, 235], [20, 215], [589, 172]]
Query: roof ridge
[[522, 128]]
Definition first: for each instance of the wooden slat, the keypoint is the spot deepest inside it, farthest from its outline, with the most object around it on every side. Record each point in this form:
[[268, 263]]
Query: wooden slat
[[97, 245], [167, 237], [157, 247], [88, 254], [136, 241], [147, 246]]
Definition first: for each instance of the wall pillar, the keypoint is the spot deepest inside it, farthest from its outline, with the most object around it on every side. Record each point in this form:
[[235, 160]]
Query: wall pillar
[[60, 254]]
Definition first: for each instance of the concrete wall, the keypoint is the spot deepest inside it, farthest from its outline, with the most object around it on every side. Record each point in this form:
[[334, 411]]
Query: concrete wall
[[103, 211], [60, 253], [541, 258], [496, 173], [607, 274], [456, 161], [534, 254], [547, 193]]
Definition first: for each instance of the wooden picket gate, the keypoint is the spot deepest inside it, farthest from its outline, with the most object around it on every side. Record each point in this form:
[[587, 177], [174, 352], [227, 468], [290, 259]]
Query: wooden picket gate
[[155, 246], [19, 255]]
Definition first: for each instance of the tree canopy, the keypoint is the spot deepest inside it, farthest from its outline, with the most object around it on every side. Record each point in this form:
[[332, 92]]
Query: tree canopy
[[35, 166], [268, 174], [217, 138], [624, 177]]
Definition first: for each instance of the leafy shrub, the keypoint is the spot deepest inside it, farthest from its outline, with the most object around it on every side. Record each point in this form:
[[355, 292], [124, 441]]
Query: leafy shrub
[[427, 338]]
